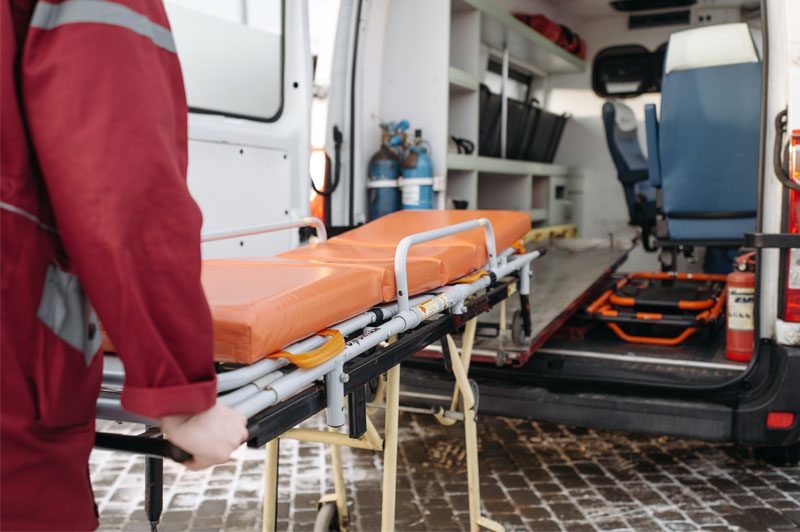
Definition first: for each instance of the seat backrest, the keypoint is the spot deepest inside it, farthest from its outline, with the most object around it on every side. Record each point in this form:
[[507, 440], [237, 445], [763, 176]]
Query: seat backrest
[[709, 127], [623, 141], [623, 144]]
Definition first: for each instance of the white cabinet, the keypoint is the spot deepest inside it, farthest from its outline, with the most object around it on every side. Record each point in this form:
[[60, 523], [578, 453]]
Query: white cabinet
[[478, 28]]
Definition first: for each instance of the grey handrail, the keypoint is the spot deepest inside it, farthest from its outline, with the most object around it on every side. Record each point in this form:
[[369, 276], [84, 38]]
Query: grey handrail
[[309, 221], [401, 255]]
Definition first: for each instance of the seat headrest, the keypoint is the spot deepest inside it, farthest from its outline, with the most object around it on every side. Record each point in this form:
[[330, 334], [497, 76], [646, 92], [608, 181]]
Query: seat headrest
[[624, 118], [708, 46]]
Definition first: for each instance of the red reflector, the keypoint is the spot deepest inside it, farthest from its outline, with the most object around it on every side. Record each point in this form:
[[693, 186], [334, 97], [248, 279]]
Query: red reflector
[[780, 420]]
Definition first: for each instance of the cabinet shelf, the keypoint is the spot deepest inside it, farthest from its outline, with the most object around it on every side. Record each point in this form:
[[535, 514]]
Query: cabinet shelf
[[462, 80], [499, 28], [458, 161]]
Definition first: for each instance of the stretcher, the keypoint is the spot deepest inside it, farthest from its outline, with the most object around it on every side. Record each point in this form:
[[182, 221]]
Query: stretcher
[[647, 303], [311, 328]]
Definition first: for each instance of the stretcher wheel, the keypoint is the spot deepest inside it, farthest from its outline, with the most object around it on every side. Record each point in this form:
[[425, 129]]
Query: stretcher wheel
[[517, 334], [327, 518]]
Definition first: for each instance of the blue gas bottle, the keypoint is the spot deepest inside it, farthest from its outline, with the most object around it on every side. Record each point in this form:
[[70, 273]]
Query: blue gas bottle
[[384, 171], [384, 196], [417, 182]]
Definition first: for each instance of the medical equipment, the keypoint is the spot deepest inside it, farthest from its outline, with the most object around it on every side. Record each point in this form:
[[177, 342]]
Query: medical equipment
[[416, 290], [417, 183], [651, 306], [384, 171], [740, 322]]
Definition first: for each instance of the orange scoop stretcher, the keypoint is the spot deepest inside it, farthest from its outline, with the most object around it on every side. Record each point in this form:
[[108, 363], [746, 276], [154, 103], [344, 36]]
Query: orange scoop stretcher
[[649, 307]]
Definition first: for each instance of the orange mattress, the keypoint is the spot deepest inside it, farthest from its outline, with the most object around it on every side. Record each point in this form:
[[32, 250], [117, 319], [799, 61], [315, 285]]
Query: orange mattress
[[261, 305]]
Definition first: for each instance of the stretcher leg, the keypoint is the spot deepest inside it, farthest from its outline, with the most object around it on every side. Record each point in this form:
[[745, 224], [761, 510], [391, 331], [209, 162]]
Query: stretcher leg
[[390, 448], [154, 490], [471, 441], [372, 435], [380, 395], [339, 487], [467, 342], [270, 521]]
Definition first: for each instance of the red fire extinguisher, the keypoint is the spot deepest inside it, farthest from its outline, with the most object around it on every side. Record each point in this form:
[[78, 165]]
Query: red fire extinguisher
[[741, 312]]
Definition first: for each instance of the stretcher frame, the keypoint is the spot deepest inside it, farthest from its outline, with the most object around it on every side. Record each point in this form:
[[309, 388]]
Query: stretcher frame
[[275, 402]]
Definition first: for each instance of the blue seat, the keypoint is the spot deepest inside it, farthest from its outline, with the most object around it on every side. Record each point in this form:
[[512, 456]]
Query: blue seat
[[703, 153], [623, 144]]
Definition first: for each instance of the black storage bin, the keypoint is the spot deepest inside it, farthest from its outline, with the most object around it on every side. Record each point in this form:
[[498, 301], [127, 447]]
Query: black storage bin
[[544, 143], [555, 138], [517, 120], [520, 125], [532, 116], [489, 128]]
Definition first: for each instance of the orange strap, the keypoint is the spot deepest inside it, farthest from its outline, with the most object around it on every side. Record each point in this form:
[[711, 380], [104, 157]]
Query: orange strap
[[679, 276], [686, 333], [609, 312], [519, 246], [315, 357], [471, 278]]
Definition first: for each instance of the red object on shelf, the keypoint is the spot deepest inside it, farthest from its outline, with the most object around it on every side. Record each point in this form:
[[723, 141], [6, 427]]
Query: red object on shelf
[[581, 53], [546, 27], [525, 19], [741, 303], [569, 41]]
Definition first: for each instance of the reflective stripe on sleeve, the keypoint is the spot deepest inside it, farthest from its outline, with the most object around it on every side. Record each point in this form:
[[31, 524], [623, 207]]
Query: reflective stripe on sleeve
[[47, 16], [25, 214]]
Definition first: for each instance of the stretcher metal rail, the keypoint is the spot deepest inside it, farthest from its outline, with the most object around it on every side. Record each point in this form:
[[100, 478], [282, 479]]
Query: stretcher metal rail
[[275, 396]]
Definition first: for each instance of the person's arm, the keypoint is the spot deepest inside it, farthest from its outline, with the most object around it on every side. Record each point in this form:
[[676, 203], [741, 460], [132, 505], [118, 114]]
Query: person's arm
[[107, 115]]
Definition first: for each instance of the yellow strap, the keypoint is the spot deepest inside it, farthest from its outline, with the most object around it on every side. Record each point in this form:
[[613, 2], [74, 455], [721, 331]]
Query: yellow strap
[[471, 278], [315, 357]]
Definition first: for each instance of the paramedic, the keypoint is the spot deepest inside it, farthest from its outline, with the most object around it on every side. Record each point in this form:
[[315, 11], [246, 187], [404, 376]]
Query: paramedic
[[94, 155]]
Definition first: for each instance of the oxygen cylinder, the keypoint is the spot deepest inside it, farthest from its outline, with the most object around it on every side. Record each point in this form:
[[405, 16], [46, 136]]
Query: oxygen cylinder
[[384, 196], [417, 182], [741, 298]]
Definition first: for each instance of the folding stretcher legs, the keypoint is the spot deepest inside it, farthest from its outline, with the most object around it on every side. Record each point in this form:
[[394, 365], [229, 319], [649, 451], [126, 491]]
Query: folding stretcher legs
[[463, 389], [460, 366]]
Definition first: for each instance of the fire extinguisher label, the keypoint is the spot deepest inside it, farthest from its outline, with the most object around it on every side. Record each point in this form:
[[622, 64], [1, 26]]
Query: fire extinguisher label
[[740, 308]]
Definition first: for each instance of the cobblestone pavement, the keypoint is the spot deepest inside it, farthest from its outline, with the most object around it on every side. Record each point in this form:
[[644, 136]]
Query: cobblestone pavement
[[534, 476]]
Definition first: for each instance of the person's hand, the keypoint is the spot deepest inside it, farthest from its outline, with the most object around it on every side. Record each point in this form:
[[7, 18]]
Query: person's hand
[[210, 436]]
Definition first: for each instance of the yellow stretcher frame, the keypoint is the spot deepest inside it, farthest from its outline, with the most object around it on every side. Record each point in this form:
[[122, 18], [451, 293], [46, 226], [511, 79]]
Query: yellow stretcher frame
[[389, 386]]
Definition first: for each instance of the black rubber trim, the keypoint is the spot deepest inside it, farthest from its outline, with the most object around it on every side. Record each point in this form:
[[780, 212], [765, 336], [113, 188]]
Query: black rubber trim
[[155, 447], [772, 240], [379, 315], [659, 243], [710, 215], [672, 321]]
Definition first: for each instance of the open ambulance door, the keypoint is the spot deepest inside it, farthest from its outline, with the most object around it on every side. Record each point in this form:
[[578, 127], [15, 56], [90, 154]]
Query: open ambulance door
[[247, 71]]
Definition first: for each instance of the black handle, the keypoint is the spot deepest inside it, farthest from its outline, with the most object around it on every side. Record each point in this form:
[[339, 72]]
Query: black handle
[[780, 153], [148, 446], [772, 240]]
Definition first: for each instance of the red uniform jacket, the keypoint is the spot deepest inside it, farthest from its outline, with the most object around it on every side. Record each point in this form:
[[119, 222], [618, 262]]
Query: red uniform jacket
[[94, 154]]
